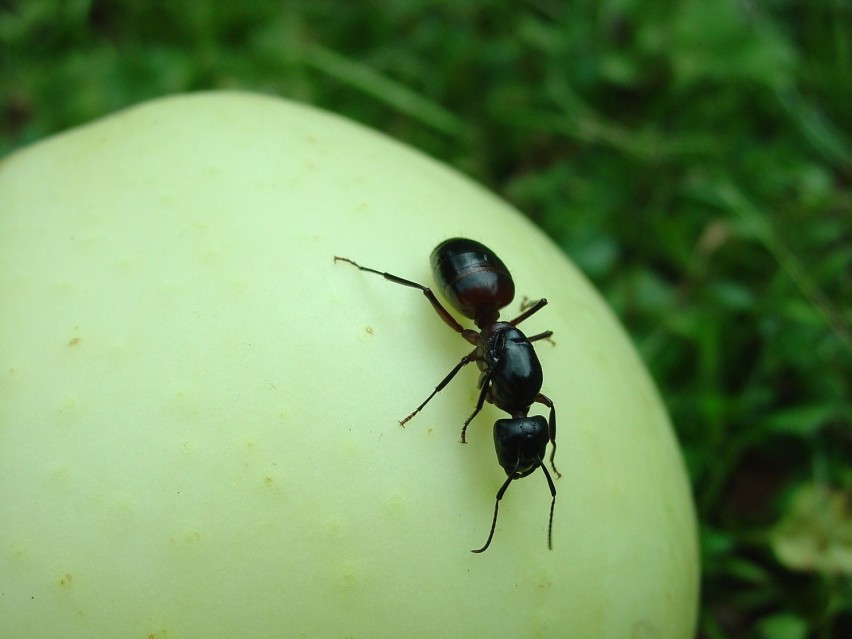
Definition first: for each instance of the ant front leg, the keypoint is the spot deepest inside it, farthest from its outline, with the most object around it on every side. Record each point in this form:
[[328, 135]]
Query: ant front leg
[[449, 320], [551, 424], [467, 359], [484, 381]]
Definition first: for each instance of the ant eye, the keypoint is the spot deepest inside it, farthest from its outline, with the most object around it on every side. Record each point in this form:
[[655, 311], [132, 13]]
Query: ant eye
[[477, 284]]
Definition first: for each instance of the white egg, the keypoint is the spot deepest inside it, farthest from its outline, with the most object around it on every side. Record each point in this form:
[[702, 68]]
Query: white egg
[[199, 409]]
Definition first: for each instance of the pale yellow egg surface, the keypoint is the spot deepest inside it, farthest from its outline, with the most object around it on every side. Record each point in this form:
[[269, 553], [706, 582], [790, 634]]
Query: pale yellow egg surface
[[199, 408]]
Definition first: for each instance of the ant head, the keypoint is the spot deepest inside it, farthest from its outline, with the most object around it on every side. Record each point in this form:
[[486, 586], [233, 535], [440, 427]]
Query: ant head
[[520, 444]]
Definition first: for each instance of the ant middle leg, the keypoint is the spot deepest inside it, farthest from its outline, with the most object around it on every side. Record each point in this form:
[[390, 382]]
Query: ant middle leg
[[528, 309], [467, 359]]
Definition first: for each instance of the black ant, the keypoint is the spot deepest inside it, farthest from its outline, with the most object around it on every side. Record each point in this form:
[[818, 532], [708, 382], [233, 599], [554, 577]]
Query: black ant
[[477, 284]]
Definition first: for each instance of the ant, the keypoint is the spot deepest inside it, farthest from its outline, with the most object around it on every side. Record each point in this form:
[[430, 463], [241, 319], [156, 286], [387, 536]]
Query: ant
[[477, 284]]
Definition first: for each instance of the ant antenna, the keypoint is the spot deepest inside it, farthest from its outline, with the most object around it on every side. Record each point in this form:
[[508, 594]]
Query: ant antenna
[[496, 505], [500, 496], [552, 503]]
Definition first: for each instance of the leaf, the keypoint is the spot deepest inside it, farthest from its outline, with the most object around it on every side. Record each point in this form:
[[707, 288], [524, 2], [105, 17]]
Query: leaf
[[816, 533], [800, 420], [783, 626]]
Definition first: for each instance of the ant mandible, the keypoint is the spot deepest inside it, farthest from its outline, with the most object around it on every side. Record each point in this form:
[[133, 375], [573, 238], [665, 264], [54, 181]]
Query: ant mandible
[[477, 284]]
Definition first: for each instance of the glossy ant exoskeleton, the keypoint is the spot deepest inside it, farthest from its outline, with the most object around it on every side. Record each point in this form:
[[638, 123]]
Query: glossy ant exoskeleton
[[477, 284]]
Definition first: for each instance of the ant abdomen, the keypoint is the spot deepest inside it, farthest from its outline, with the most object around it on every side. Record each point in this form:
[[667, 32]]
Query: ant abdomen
[[472, 279]]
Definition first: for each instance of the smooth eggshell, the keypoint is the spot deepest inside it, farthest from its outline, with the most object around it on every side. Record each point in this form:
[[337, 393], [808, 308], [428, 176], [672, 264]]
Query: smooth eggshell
[[198, 409]]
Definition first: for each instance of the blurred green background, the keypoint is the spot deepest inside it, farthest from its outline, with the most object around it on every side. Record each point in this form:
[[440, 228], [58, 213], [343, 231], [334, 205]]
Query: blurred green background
[[692, 157]]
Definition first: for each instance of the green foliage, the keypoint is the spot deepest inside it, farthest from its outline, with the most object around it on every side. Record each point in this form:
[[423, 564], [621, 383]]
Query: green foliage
[[692, 157]]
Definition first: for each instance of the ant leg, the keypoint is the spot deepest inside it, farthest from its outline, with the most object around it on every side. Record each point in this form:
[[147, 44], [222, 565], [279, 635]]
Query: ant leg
[[467, 359], [497, 505], [552, 504], [449, 320], [545, 335], [529, 309], [534, 308], [486, 380], [551, 423]]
